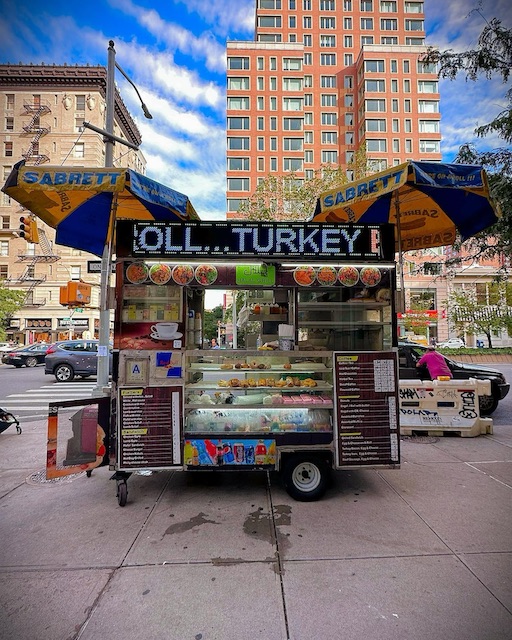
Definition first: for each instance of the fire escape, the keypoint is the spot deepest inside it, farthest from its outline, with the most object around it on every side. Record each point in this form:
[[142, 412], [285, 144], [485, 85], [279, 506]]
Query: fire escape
[[34, 129], [28, 278]]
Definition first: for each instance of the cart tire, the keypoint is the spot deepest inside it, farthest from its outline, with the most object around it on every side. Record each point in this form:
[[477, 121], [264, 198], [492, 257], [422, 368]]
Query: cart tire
[[488, 404], [88, 473], [122, 493], [31, 362], [306, 477], [64, 373]]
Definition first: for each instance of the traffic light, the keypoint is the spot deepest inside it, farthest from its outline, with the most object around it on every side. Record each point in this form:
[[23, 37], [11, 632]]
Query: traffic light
[[28, 229]]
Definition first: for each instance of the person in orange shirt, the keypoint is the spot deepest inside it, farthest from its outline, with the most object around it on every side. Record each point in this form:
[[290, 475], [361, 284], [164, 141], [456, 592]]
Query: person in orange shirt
[[435, 363]]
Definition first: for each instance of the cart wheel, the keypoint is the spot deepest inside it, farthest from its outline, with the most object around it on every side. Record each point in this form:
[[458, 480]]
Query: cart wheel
[[18, 428], [88, 473], [122, 493], [305, 477]]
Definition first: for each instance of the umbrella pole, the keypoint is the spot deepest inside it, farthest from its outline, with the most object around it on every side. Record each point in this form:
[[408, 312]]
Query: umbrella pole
[[401, 299]]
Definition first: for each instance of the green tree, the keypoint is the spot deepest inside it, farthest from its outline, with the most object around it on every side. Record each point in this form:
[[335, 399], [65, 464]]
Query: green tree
[[491, 58], [289, 198], [10, 301], [210, 323], [467, 313]]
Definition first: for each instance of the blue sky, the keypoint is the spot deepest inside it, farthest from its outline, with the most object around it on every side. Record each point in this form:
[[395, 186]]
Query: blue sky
[[174, 51]]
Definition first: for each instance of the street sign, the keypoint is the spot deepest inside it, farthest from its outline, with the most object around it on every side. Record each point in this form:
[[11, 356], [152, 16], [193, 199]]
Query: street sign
[[94, 266]]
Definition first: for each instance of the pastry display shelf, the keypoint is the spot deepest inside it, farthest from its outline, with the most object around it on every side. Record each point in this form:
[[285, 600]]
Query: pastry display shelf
[[214, 386], [298, 405]]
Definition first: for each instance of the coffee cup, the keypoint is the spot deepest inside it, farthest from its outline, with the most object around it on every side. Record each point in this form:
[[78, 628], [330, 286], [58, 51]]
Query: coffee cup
[[164, 330]]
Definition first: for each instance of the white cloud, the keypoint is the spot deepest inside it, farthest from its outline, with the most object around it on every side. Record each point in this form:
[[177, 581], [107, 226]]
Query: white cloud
[[225, 15]]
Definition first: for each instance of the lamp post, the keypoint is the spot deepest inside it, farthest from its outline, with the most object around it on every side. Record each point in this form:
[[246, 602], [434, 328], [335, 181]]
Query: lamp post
[[104, 326]]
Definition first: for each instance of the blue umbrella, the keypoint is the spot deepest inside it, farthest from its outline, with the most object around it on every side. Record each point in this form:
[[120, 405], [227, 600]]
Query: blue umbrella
[[82, 204]]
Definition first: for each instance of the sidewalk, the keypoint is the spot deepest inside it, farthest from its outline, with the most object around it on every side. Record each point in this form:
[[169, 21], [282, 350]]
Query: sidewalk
[[418, 553]]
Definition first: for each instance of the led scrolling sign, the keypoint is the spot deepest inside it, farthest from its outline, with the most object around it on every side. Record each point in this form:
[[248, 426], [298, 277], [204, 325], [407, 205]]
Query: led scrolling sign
[[282, 241]]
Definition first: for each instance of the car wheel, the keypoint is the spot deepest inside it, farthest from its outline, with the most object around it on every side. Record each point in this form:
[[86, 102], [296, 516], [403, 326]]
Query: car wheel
[[488, 405], [64, 373], [31, 362], [305, 477]]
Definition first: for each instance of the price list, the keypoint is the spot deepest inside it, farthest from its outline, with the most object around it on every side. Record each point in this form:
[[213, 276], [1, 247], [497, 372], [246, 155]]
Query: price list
[[366, 408], [150, 427]]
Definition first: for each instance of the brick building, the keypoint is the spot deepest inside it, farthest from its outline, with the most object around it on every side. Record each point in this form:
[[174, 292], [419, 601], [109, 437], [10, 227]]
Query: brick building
[[42, 111], [323, 78]]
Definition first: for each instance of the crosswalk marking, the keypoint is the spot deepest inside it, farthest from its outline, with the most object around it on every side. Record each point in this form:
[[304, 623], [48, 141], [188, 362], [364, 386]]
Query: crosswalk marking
[[33, 400]]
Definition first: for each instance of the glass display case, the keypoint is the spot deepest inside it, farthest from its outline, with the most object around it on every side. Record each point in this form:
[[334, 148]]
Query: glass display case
[[258, 392]]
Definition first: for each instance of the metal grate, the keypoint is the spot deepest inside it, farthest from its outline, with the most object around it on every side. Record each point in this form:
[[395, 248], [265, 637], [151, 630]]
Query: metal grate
[[39, 477]]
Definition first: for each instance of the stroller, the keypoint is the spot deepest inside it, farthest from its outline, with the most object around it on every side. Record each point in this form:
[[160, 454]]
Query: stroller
[[6, 420]]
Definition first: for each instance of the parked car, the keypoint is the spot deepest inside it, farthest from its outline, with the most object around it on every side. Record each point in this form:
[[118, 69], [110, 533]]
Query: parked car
[[452, 343], [70, 358], [7, 346], [29, 356], [409, 353]]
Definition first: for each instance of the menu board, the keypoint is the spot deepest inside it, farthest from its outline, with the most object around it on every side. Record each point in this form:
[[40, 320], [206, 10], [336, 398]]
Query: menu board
[[366, 408], [150, 426]]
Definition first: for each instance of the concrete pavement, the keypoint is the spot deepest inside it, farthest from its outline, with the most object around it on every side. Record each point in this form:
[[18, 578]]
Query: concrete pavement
[[419, 553]]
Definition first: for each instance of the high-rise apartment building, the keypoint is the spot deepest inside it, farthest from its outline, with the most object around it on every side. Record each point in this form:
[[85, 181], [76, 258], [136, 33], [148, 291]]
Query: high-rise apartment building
[[322, 79], [42, 111]]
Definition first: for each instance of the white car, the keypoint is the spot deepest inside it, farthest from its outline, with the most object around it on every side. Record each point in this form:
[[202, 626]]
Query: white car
[[452, 343], [7, 346]]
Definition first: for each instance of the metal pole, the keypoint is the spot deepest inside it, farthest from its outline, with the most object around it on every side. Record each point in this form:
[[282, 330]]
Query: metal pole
[[104, 326]]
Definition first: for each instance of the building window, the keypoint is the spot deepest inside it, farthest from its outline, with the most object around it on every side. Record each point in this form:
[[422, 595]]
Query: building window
[[394, 105], [428, 86], [237, 84], [328, 82], [308, 118], [375, 105], [414, 7], [273, 123], [8, 149], [9, 101], [238, 123], [329, 100], [394, 86], [238, 184], [293, 164], [407, 106], [273, 164], [366, 40], [238, 144], [292, 104], [306, 5], [396, 145], [408, 146], [239, 103], [389, 40], [273, 22], [367, 24], [327, 5], [408, 125], [376, 165], [234, 204], [376, 145], [261, 164], [424, 67], [375, 85], [261, 144], [429, 126], [292, 124], [292, 22], [308, 81], [389, 24], [347, 5], [238, 164], [329, 118], [292, 64], [329, 137], [416, 42], [429, 146], [273, 103], [395, 125], [9, 124], [75, 272], [79, 150], [348, 101], [407, 86], [308, 59], [328, 41], [394, 66], [407, 66], [414, 25], [366, 5], [308, 137], [80, 103], [5, 222], [327, 23], [238, 62], [308, 40], [273, 144], [329, 157], [4, 247], [293, 144], [260, 123], [375, 125], [273, 64], [307, 22], [428, 106], [292, 84], [260, 64], [374, 66], [4, 271], [348, 42], [347, 24], [261, 103], [269, 4], [388, 7]]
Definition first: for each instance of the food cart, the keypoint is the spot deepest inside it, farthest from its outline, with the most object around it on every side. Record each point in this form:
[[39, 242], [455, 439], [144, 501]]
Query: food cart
[[309, 382]]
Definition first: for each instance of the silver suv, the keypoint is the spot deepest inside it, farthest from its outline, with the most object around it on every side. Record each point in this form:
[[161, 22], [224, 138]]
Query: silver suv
[[71, 358]]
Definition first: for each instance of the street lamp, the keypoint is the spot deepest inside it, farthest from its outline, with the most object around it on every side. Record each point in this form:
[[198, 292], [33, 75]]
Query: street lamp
[[104, 326]]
